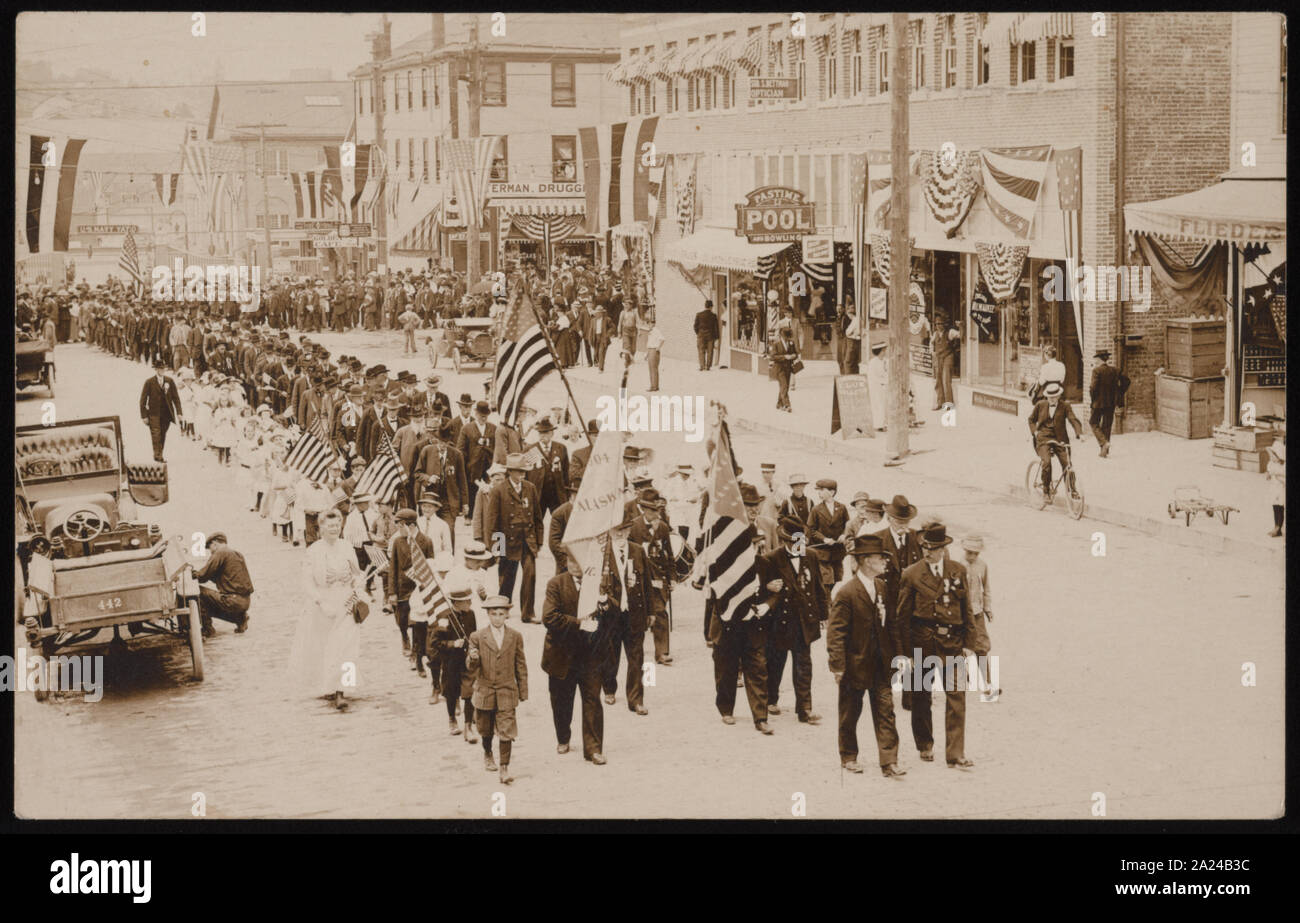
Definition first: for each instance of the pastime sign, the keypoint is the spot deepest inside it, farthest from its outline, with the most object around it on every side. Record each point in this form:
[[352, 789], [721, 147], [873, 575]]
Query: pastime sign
[[775, 214], [773, 88]]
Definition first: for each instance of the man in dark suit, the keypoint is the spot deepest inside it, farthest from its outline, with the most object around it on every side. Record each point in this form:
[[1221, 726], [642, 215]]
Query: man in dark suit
[[706, 334], [860, 644], [402, 550], [441, 467], [508, 439], [934, 620], [477, 442], [625, 584], [1104, 393], [555, 531], [651, 532], [1047, 422], [514, 511], [900, 544], [798, 608], [582, 455], [160, 406], [464, 416], [552, 475], [573, 657], [386, 425]]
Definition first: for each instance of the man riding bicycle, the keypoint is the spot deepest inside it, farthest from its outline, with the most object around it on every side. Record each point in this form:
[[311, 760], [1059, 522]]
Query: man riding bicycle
[[1047, 427]]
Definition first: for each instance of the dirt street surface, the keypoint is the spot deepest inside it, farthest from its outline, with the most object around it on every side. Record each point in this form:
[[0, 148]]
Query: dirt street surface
[[1109, 665]]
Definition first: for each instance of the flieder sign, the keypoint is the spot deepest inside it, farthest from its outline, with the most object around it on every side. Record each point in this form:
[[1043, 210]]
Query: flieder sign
[[775, 214]]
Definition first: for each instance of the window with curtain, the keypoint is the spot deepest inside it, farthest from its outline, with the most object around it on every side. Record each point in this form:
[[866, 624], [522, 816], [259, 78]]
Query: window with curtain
[[981, 52], [500, 172], [800, 68], [832, 68], [855, 62], [882, 61], [410, 90], [918, 54], [950, 52], [564, 91], [494, 83], [564, 158]]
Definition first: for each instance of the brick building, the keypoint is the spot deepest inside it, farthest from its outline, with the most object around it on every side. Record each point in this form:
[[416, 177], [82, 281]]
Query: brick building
[[980, 82]]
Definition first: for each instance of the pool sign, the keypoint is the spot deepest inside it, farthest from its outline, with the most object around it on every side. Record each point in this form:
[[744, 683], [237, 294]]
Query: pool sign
[[775, 214]]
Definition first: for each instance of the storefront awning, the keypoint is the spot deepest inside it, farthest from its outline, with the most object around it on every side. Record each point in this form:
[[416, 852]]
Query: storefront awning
[[540, 206], [1236, 211], [719, 248]]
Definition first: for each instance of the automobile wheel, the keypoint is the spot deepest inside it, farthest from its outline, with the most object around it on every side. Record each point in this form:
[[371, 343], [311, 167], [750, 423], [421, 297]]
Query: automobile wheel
[[196, 639]]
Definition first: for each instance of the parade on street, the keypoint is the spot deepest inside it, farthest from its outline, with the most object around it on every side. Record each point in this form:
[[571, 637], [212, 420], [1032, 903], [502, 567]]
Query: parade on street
[[520, 415]]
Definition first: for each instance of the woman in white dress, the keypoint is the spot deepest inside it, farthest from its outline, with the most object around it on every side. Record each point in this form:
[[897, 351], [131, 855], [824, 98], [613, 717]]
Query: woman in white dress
[[204, 399], [326, 649], [280, 500]]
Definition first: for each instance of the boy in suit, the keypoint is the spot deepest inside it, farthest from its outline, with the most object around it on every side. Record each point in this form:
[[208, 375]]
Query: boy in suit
[[496, 661]]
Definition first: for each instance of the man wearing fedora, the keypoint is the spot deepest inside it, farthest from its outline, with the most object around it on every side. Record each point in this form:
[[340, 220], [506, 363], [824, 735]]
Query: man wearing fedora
[[508, 439], [463, 417], [551, 476], [442, 470], [1047, 425], [573, 658], [160, 406], [798, 608], [861, 646], [514, 518], [582, 455], [1104, 394], [477, 442], [935, 621], [626, 586], [900, 543]]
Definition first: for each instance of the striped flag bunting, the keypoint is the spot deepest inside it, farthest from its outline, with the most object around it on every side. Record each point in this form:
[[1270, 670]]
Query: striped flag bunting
[[165, 185], [207, 166], [1013, 180], [617, 172], [881, 179], [312, 456], [433, 600], [355, 188], [1001, 265], [130, 261], [549, 229], [384, 474], [1069, 191], [523, 359], [50, 191], [858, 196], [732, 561], [949, 185], [686, 196], [469, 161], [424, 236], [373, 190], [331, 185]]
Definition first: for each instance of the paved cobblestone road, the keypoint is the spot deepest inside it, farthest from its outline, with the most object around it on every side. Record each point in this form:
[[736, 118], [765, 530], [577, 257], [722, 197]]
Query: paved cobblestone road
[[1122, 675]]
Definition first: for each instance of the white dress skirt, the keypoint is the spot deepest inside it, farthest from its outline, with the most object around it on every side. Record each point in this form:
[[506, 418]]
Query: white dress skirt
[[278, 501], [325, 655], [224, 421]]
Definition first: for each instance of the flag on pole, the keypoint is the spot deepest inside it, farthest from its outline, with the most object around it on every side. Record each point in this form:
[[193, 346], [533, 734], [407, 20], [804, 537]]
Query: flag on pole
[[130, 261], [378, 559], [732, 562], [384, 474], [311, 455], [469, 161], [431, 599], [522, 360], [597, 508]]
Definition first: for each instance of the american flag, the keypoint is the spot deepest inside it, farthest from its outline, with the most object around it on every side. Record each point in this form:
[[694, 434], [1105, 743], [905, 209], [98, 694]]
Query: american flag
[[469, 161], [432, 599], [1013, 180], [523, 358], [858, 196], [686, 199], [733, 574], [130, 261], [312, 456], [378, 559], [384, 474], [1069, 188]]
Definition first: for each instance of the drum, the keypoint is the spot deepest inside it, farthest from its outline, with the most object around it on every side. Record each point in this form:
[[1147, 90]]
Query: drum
[[683, 557]]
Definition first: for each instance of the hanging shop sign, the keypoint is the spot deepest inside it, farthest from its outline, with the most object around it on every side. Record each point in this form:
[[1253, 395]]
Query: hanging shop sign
[[354, 230], [984, 314], [544, 190], [775, 214], [819, 248], [314, 225], [773, 88]]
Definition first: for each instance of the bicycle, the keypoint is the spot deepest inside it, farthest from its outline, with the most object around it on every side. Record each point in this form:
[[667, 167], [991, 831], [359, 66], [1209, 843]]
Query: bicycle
[[1034, 483]]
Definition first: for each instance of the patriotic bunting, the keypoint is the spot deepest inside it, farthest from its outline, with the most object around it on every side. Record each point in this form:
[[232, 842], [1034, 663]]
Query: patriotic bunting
[[50, 191], [1013, 179], [164, 185], [312, 456], [469, 162], [1001, 265], [1069, 191], [948, 185], [687, 165]]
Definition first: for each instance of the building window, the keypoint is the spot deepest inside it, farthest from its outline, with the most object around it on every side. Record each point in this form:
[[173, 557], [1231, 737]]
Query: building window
[[397, 92], [950, 52], [437, 160], [564, 158], [855, 63], [648, 98], [882, 65], [424, 160], [563, 85], [500, 163], [410, 158], [361, 98], [494, 83], [397, 153], [436, 100], [424, 88], [832, 68], [918, 54], [1065, 59], [633, 100], [800, 69], [1026, 51], [410, 89], [981, 53]]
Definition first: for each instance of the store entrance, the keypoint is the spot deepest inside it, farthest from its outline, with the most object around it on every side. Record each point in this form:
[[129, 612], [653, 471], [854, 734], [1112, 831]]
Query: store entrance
[[947, 296]]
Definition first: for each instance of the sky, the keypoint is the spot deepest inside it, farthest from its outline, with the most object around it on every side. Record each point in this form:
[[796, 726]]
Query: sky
[[158, 48]]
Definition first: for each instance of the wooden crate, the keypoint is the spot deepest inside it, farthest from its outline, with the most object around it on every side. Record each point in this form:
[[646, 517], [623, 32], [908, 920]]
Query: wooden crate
[[1188, 407], [1195, 348], [1240, 460], [1243, 438]]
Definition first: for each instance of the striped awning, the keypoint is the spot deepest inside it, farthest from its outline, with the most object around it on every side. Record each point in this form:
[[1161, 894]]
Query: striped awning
[[542, 207], [619, 72], [1028, 27], [750, 56], [725, 55], [641, 69], [720, 248], [422, 239], [692, 61], [1235, 211], [666, 64]]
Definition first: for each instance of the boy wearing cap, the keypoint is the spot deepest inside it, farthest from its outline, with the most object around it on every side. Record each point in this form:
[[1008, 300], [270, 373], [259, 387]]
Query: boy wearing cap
[[1047, 425], [500, 676], [828, 525], [861, 646], [433, 525], [981, 605], [514, 512], [935, 621], [797, 506], [448, 647]]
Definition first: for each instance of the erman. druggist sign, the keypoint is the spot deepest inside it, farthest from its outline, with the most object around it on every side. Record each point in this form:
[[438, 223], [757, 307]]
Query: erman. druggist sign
[[775, 214]]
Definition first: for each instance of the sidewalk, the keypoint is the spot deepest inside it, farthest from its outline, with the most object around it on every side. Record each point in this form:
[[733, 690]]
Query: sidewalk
[[989, 451]]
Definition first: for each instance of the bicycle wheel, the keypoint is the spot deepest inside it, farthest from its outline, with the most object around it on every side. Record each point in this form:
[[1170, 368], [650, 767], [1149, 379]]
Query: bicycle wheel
[[1074, 500], [1034, 485]]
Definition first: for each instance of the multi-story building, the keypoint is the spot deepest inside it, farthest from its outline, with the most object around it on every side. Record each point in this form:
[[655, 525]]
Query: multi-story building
[[542, 79], [1012, 106]]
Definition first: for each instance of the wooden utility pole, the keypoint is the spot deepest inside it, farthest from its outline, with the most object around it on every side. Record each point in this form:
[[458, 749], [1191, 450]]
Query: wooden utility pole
[[900, 248], [380, 51], [475, 87], [266, 196]]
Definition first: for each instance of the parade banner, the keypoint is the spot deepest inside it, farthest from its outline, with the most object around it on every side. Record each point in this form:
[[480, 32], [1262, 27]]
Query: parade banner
[[597, 509]]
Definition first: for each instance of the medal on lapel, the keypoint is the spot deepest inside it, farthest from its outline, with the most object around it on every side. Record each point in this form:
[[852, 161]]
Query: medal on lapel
[[947, 585], [880, 607]]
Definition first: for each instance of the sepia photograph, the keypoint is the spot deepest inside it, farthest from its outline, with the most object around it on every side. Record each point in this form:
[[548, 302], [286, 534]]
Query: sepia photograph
[[520, 416]]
